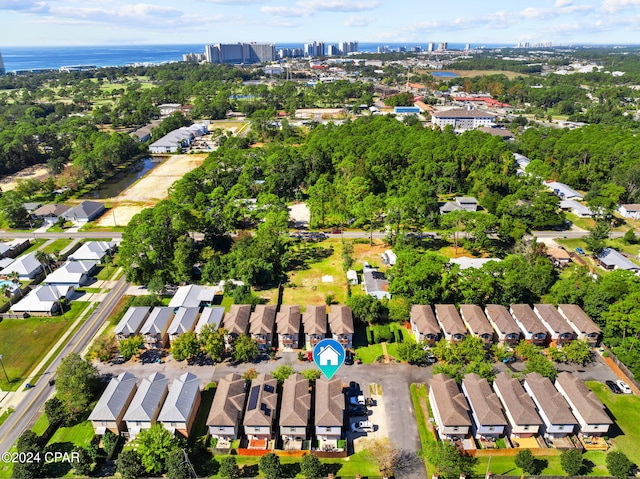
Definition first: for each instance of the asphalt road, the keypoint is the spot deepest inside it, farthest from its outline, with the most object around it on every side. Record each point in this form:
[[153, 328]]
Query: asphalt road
[[19, 420]]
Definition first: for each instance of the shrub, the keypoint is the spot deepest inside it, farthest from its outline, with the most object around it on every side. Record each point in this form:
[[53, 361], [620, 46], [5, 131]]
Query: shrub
[[381, 333]]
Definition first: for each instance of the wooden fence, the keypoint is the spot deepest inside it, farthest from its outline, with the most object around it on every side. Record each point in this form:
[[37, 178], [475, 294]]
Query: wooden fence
[[512, 452]]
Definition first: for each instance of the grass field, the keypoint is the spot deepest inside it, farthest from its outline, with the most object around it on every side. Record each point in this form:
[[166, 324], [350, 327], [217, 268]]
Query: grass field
[[24, 343], [57, 245], [35, 245], [78, 435]]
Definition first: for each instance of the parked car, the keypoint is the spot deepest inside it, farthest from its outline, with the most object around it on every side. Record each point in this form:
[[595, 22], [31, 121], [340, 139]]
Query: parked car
[[614, 387], [362, 426], [624, 387], [355, 400], [580, 251], [348, 358], [354, 389], [358, 410]]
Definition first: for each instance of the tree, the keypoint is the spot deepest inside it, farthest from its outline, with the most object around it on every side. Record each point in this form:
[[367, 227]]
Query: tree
[[578, 352], [229, 468], [245, 349], [618, 464], [177, 467], [412, 352], [212, 342], [131, 346], [449, 461], [270, 466], [129, 464], [542, 365], [597, 236], [525, 461], [76, 382], [82, 462], [250, 374], [154, 446], [384, 454], [185, 346], [311, 467], [281, 373], [55, 411], [630, 237], [310, 374], [571, 462], [32, 444]]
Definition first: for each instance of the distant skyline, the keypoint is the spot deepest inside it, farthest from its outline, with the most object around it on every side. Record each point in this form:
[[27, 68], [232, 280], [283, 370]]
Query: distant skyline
[[118, 22]]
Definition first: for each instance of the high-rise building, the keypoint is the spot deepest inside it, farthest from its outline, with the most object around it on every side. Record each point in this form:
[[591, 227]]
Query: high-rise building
[[315, 49], [348, 47], [333, 51], [2, 71], [430, 47], [240, 53], [442, 46]]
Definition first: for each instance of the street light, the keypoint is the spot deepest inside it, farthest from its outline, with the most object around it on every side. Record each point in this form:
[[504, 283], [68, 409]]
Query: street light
[[5, 371]]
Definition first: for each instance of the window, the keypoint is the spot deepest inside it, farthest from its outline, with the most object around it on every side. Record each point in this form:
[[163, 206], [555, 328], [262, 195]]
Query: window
[[327, 429], [292, 429], [103, 423], [526, 428], [492, 428], [221, 428], [560, 428], [455, 428], [256, 429]]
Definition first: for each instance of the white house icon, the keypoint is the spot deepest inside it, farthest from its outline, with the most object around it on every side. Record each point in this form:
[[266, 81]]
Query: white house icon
[[328, 356]]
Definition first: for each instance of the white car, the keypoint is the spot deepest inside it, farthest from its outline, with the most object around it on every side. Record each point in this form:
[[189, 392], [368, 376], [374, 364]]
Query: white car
[[355, 400], [362, 426], [624, 386]]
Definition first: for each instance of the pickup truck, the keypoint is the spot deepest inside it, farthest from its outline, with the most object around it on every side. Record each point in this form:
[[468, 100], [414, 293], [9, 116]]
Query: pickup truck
[[362, 426]]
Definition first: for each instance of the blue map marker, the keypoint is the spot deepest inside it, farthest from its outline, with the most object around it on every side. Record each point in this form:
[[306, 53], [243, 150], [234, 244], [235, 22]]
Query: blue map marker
[[328, 355]]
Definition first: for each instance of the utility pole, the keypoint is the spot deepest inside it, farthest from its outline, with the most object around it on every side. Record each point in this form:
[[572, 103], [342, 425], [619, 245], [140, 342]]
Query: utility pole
[[5, 371]]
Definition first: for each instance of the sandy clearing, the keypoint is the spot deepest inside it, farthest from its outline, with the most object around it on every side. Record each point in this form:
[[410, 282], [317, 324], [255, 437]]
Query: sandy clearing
[[37, 172], [120, 215], [300, 214]]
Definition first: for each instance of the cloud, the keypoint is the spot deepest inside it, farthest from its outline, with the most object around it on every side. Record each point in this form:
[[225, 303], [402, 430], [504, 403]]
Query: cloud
[[234, 2], [613, 6], [305, 8], [285, 11], [563, 3], [20, 6], [358, 21]]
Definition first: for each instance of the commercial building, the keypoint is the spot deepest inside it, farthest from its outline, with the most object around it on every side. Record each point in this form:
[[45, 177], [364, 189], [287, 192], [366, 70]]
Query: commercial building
[[462, 119], [240, 53]]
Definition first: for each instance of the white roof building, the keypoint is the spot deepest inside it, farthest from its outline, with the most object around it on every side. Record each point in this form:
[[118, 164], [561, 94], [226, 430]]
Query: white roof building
[[210, 315], [71, 273], [93, 251], [43, 300], [462, 119], [27, 267], [193, 296], [563, 191]]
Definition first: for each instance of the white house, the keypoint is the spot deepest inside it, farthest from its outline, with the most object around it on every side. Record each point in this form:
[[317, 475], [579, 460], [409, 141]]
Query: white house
[[341, 324], [552, 406], [611, 259], [584, 327], [631, 211], [288, 327], [261, 325], [184, 321], [424, 324], [462, 119], [578, 209], [108, 413], [486, 410], [93, 251], [226, 410], [329, 411], [154, 330], [131, 322], [559, 329], [585, 405], [450, 322], [71, 273], [563, 191], [193, 296], [477, 323], [27, 267], [295, 411], [375, 284], [450, 408], [503, 324], [145, 405], [211, 315], [315, 325], [519, 408], [532, 328], [43, 300]]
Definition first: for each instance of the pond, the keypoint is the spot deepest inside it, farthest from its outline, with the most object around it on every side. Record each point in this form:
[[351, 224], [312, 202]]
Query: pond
[[123, 179], [444, 74]]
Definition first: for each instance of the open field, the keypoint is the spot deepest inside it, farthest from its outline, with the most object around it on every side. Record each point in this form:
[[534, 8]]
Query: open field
[[37, 172]]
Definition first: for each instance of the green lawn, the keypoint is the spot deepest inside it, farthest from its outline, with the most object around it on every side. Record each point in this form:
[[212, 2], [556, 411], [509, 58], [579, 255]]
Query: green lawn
[[35, 245], [78, 435], [5, 415], [24, 343], [57, 245], [40, 425], [368, 354], [75, 309]]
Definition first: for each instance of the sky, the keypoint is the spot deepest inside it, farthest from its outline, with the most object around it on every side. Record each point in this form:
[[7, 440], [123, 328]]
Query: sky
[[503, 22]]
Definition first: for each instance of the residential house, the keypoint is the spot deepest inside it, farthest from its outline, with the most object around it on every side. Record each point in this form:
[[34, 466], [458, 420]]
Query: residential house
[[522, 162], [503, 323], [167, 109], [226, 410], [236, 322], [261, 325], [611, 259], [288, 326], [375, 284], [50, 213], [84, 212], [27, 267], [477, 323], [560, 257], [467, 203], [519, 408], [578, 209], [552, 406], [559, 329], [43, 300], [181, 405], [464, 262], [211, 315], [13, 248], [424, 324], [193, 296], [108, 413], [314, 320], [450, 322], [145, 406], [585, 405], [631, 211], [329, 411], [260, 413], [584, 327], [154, 330], [71, 273], [131, 322], [341, 324], [295, 411], [529, 323], [486, 410], [184, 321], [450, 408], [94, 251], [563, 191], [462, 118]]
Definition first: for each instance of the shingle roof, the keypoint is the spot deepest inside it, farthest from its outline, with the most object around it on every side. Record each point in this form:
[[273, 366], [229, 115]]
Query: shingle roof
[[549, 400], [296, 402], [132, 320], [146, 404], [262, 319], [424, 319], [475, 318], [85, 210], [52, 209], [516, 400], [288, 319], [579, 319], [502, 319], [329, 403], [484, 402], [114, 398], [236, 321], [341, 319], [181, 399], [375, 281], [263, 400], [210, 315], [315, 320], [449, 319], [582, 399], [228, 402], [549, 314], [527, 318], [450, 402]]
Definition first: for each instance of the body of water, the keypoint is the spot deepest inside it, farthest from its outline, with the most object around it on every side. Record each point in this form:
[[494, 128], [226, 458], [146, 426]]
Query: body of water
[[444, 74], [123, 179], [36, 58]]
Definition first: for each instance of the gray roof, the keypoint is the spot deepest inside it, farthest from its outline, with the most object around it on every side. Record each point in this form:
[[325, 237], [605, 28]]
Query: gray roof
[[42, 298], [585, 402], [70, 272], [315, 319], [449, 319], [562, 190], [450, 402], [475, 319], [296, 402], [210, 315], [516, 400], [576, 317], [502, 319], [132, 320], [464, 262], [236, 321], [87, 210], [329, 403], [263, 319], [484, 402], [181, 399], [52, 209], [341, 319], [114, 398], [158, 321], [450, 206], [192, 295], [288, 319], [146, 404], [25, 265], [183, 321], [524, 315], [375, 281], [228, 402], [611, 258], [551, 318], [462, 113], [424, 319], [549, 400], [263, 400], [93, 250]]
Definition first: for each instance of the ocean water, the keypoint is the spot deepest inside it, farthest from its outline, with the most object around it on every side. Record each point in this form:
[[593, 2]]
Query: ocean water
[[30, 58]]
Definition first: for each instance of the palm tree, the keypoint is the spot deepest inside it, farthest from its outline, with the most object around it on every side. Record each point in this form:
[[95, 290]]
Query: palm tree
[[7, 292], [44, 259], [14, 276]]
